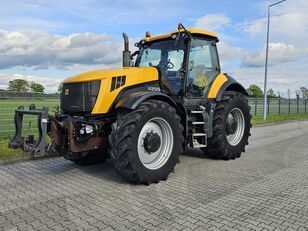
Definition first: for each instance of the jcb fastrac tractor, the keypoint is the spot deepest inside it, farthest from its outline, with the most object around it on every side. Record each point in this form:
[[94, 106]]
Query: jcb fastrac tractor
[[169, 95]]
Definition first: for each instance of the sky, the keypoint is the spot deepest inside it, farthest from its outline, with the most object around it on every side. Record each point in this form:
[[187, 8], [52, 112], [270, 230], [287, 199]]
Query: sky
[[47, 41]]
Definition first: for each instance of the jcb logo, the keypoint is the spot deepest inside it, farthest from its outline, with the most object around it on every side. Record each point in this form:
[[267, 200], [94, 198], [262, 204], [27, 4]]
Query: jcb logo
[[67, 91]]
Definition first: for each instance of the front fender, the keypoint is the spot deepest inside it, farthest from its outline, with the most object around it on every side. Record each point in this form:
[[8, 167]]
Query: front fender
[[132, 100]]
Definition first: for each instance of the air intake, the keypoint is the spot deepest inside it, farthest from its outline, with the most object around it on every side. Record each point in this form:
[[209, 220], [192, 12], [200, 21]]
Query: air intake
[[117, 82]]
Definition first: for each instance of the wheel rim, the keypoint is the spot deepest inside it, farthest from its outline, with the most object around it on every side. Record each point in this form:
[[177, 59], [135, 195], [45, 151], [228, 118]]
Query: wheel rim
[[158, 158], [236, 115]]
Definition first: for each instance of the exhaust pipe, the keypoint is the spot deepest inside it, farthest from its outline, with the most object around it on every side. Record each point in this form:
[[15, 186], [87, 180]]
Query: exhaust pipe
[[126, 52]]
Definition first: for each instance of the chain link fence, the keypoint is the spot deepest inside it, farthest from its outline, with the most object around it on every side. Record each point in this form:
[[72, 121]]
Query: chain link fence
[[9, 101]]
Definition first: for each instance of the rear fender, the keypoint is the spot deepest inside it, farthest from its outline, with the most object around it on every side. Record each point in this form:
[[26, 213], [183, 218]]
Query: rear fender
[[230, 85]]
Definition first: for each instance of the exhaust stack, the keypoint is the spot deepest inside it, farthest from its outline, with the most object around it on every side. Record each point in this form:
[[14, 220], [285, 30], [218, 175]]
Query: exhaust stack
[[126, 52]]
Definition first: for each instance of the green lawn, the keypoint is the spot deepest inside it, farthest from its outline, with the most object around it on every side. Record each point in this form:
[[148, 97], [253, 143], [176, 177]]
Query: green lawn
[[8, 154], [278, 118]]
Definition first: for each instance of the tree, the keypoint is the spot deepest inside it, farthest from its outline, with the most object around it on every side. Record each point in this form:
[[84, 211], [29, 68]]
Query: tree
[[60, 87], [304, 91], [37, 88], [271, 93], [19, 85], [254, 91]]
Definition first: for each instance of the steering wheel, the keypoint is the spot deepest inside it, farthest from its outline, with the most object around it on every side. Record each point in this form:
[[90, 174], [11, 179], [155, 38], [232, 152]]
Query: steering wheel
[[169, 65]]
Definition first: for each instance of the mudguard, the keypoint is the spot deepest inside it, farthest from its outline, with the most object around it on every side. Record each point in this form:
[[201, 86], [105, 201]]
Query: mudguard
[[231, 85], [132, 100]]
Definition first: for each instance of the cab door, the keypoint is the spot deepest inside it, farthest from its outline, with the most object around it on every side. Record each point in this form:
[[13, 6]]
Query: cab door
[[203, 67]]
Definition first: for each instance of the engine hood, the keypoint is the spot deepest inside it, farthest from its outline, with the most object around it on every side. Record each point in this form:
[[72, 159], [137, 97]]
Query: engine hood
[[112, 82], [142, 73]]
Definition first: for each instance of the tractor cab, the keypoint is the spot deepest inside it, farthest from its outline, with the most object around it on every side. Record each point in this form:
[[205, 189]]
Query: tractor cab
[[187, 60]]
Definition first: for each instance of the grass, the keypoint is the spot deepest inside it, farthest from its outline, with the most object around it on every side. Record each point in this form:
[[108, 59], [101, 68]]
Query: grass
[[278, 118], [9, 154]]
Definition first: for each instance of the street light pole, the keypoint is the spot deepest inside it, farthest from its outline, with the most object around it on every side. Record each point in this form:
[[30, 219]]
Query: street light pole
[[266, 58]]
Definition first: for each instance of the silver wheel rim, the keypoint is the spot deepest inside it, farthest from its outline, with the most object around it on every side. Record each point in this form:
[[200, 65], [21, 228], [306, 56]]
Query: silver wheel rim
[[157, 159], [238, 116]]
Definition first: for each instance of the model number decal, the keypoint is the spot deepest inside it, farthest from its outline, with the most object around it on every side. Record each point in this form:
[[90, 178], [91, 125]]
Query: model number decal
[[153, 88]]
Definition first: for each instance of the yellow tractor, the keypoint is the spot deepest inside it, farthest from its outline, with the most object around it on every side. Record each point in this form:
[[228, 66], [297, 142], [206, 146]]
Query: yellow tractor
[[169, 95]]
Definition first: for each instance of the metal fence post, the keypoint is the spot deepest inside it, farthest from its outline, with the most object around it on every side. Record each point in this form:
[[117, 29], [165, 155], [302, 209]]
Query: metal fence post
[[297, 104], [305, 106], [289, 106], [256, 106], [268, 106], [279, 102]]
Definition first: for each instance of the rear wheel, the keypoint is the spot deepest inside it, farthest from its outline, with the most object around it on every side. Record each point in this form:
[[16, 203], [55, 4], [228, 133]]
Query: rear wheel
[[231, 127], [145, 143]]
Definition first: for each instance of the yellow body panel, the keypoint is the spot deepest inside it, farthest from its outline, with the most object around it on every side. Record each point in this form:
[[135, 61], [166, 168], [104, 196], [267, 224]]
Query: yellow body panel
[[216, 85], [106, 97], [191, 30]]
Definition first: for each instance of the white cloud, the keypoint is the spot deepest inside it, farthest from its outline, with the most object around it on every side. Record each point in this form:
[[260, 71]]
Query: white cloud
[[279, 53], [50, 84], [212, 21], [42, 50], [228, 52], [288, 23]]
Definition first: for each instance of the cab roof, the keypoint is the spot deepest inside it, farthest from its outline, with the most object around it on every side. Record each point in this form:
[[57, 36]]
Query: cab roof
[[191, 30]]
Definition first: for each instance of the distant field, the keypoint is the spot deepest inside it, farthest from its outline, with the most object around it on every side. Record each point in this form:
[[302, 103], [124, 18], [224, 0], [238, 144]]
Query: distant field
[[7, 110]]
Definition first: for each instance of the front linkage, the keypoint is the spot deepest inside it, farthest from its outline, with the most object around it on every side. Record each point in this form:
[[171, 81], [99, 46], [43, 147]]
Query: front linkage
[[36, 147]]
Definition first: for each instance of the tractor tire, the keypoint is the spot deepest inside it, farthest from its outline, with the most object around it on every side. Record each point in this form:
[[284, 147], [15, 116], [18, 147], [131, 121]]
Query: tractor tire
[[95, 157], [231, 127], [145, 143]]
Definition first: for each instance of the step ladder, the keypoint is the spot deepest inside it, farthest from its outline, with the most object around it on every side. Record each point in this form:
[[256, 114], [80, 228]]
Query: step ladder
[[197, 124]]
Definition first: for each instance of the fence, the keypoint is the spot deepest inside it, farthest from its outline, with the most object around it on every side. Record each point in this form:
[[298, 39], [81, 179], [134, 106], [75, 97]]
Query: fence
[[278, 106], [8, 104]]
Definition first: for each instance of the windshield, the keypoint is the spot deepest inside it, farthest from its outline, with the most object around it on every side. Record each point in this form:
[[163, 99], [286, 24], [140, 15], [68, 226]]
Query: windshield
[[168, 57]]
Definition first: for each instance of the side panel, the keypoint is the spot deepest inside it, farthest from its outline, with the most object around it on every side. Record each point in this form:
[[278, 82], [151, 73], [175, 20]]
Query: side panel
[[107, 94]]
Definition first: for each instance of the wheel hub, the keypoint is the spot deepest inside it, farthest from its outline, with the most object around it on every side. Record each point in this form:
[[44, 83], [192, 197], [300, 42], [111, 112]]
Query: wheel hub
[[231, 126], [155, 143], [151, 142]]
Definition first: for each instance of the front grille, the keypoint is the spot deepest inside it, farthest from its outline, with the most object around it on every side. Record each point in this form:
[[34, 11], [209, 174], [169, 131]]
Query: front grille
[[79, 98]]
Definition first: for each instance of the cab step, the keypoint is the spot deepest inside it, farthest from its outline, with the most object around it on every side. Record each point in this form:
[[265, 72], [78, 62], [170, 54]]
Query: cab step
[[196, 112], [197, 145], [197, 122], [198, 134]]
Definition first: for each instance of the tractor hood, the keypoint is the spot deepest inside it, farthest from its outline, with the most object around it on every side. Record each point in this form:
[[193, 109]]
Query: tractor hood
[[144, 74], [96, 91]]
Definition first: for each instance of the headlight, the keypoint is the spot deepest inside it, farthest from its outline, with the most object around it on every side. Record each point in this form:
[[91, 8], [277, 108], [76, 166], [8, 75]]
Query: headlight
[[85, 130], [89, 129]]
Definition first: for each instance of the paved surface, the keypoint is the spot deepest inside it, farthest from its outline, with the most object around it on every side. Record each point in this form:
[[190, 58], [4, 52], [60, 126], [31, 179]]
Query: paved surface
[[266, 189]]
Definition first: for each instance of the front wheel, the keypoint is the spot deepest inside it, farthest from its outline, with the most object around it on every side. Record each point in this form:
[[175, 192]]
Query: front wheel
[[231, 127], [145, 143]]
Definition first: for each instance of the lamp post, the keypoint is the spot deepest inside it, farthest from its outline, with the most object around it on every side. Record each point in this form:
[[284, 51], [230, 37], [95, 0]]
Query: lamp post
[[266, 58]]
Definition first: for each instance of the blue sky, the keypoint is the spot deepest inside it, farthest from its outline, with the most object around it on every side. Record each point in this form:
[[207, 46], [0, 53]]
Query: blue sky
[[49, 40]]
